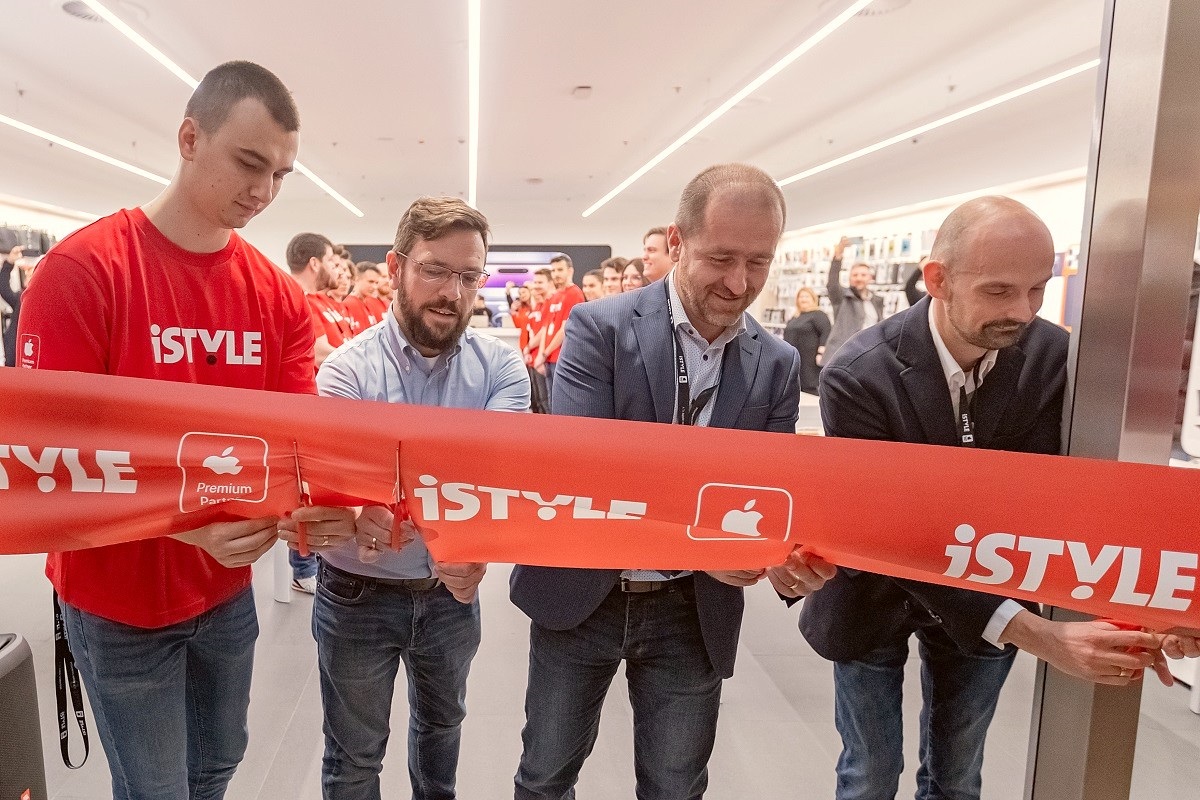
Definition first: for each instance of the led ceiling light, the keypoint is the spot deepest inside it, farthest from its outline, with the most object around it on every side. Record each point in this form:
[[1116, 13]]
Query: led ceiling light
[[78, 148], [473, 47], [48, 208], [178, 71], [780, 65], [946, 120]]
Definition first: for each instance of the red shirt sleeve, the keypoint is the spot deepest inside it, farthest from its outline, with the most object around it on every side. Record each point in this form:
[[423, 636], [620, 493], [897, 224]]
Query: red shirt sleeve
[[66, 318]]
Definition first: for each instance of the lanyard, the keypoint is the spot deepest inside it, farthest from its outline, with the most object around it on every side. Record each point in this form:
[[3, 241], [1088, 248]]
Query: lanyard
[[66, 675], [687, 410], [966, 420]]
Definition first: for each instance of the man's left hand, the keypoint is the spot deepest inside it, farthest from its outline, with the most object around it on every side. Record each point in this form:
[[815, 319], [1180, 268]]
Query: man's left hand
[[462, 579], [801, 575], [325, 527]]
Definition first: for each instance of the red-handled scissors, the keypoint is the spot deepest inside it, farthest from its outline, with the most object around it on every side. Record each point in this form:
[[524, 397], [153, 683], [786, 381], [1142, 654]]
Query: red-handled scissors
[[401, 512], [305, 500]]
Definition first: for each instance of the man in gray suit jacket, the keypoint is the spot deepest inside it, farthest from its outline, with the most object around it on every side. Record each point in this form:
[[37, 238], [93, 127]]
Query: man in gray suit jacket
[[854, 308], [681, 351]]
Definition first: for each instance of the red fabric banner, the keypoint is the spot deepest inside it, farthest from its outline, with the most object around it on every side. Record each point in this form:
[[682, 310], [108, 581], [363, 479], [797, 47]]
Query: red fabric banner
[[88, 460]]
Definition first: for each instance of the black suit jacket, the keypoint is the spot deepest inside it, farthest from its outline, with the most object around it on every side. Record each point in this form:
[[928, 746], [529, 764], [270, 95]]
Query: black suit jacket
[[887, 383], [617, 363]]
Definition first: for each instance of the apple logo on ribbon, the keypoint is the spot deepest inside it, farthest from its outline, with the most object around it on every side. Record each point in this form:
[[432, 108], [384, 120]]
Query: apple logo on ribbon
[[743, 522], [224, 464]]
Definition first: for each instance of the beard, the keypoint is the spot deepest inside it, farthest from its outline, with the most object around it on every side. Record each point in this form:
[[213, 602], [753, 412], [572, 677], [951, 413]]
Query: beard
[[420, 333]]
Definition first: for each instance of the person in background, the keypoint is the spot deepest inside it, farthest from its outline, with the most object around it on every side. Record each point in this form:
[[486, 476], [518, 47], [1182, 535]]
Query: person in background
[[377, 609], [384, 289], [519, 307], [540, 290], [855, 308], [163, 630], [481, 309], [12, 296], [312, 263], [807, 332], [593, 284], [656, 261], [675, 632], [911, 293], [632, 277], [611, 269], [363, 305], [565, 297]]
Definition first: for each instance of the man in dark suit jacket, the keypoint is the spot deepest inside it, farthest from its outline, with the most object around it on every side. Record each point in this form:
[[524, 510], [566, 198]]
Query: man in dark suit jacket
[[677, 633], [971, 365]]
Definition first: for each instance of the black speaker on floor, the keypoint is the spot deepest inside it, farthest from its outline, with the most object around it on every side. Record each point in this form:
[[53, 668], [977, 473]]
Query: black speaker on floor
[[22, 769]]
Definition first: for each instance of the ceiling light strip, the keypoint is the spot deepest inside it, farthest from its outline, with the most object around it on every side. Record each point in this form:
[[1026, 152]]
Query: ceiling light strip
[[808, 44], [178, 71], [946, 120], [474, 13], [78, 148], [47, 208]]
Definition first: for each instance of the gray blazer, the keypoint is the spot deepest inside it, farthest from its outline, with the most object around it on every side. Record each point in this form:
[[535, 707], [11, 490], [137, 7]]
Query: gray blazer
[[849, 311], [616, 363]]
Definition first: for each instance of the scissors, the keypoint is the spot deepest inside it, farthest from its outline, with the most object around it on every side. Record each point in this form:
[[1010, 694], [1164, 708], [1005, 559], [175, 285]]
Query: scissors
[[305, 500], [401, 505]]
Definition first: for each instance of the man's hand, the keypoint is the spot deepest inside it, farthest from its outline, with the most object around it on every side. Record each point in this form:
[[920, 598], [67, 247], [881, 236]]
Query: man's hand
[[1095, 651], [801, 574], [540, 361], [234, 544], [461, 579], [840, 247], [325, 527], [374, 532], [1181, 645], [738, 577]]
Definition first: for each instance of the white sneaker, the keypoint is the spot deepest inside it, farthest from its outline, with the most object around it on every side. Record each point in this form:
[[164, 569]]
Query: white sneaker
[[307, 585]]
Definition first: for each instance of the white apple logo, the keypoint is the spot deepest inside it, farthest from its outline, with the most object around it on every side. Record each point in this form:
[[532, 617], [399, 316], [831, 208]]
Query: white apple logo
[[744, 522], [224, 464], [29, 348]]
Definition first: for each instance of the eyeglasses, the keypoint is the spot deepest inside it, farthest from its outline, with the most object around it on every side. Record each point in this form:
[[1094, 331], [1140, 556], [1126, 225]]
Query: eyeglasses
[[470, 279]]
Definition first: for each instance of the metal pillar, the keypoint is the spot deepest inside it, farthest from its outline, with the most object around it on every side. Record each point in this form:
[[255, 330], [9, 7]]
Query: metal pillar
[[1127, 339]]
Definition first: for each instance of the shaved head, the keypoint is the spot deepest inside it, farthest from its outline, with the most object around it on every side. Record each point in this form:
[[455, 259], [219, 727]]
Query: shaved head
[[979, 219]]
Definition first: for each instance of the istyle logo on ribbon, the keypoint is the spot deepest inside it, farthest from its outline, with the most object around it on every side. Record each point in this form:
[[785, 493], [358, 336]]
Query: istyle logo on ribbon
[[727, 512], [219, 467]]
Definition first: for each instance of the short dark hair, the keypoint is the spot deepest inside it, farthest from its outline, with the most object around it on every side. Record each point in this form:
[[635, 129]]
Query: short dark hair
[[545, 273], [694, 201], [616, 262], [341, 251], [366, 266], [228, 84], [431, 218], [564, 258], [657, 231], [303, 247], [598, 274]]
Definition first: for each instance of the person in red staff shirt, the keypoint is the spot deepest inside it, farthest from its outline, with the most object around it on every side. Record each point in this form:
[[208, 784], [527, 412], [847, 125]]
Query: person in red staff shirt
[[540, 290], [313, 265], [358, 304], [163, 630], [566, 296]]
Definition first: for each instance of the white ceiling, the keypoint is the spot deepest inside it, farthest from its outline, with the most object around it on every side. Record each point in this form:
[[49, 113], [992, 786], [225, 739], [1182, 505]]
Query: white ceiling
[[381, 86]]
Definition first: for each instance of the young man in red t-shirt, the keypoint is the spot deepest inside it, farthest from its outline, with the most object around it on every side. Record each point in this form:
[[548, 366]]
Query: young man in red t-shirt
[[163, 630], [313, 265], [540, 290], [566, 297], [363, 306]]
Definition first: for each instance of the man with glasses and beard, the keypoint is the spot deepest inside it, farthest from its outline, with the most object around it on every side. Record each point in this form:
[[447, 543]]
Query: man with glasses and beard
[[376, 607]]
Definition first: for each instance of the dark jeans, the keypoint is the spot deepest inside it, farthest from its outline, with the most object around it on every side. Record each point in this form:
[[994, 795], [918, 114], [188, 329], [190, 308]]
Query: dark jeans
[[539, 397], [363, 632], [673, 689], [169, 703], [302, 566], [959, 693], [550, 367]]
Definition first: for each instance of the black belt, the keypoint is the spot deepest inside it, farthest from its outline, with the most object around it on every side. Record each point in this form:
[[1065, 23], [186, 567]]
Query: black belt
[[644, 587], [408, 584]]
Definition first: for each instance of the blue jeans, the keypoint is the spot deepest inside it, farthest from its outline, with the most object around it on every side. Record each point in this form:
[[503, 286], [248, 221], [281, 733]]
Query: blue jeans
[[302, 566], [959, 693], [169, 703], [364, 631], [673, 689]]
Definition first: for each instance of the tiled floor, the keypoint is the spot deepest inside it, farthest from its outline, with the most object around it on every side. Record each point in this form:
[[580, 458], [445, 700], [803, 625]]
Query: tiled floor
[[776, 737]]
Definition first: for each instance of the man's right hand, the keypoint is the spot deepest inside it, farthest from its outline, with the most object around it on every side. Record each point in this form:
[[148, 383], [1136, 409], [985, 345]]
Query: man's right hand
[[234, 544], [840, 247], [1095, 651], [738, 577], [373, 532]]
